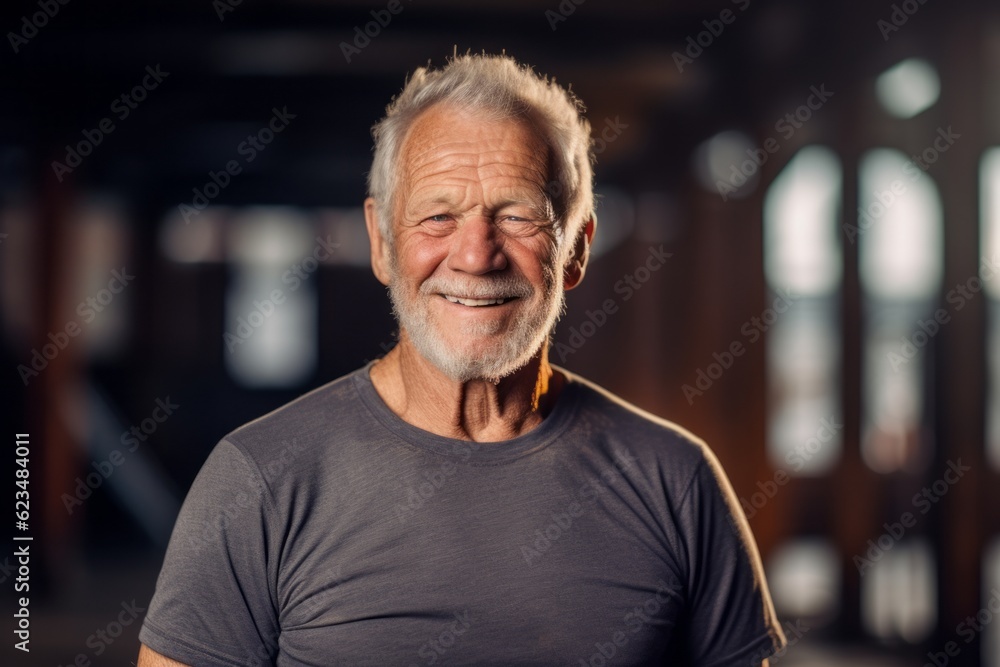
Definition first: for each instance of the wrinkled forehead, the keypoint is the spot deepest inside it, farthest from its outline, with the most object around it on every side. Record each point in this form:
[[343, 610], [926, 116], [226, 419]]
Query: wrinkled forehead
[[448, 146]]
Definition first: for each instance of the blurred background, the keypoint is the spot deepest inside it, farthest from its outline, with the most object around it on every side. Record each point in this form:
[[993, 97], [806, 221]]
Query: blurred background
[[182, 250]]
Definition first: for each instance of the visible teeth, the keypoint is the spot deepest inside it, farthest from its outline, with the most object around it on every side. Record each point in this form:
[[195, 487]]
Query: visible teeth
[[474, 302]]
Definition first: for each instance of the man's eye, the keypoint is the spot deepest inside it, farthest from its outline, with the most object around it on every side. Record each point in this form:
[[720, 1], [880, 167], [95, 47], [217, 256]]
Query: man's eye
[[519, 225], [441, 217], [517, 220]]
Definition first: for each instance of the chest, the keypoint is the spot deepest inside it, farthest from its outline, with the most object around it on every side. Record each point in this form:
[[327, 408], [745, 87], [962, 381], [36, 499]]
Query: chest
[[476, 574]]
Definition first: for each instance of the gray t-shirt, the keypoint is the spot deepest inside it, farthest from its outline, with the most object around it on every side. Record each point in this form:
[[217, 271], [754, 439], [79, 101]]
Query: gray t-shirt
[[332, 532]]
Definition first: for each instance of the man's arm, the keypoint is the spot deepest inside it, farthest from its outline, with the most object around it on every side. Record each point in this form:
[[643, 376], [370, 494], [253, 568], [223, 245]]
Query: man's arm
[[211, 603], [150, 658]]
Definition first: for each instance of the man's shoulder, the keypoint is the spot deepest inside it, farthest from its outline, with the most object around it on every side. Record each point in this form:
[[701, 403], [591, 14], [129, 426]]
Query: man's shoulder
[[642, 432], [301, 420]]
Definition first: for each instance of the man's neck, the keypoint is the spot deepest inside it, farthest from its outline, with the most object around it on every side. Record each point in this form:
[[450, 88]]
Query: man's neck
[[477, 410]]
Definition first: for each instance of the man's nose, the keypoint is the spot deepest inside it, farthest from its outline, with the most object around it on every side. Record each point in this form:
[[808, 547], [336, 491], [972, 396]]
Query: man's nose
[[477, 247]]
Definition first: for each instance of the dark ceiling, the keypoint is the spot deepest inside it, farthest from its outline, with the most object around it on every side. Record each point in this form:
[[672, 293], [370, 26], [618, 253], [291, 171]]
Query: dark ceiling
[[225, 77]]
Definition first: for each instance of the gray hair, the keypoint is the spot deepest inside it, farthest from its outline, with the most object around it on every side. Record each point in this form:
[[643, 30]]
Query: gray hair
[[500, 88]]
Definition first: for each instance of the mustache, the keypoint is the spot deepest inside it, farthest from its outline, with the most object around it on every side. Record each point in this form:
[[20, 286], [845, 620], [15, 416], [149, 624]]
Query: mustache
[[500, 287]]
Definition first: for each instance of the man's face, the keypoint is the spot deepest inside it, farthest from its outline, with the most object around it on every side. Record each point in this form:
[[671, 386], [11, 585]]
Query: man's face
[[475, 266]]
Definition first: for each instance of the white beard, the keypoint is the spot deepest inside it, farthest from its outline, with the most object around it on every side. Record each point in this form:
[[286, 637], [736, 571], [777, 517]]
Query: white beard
[[500, 358]]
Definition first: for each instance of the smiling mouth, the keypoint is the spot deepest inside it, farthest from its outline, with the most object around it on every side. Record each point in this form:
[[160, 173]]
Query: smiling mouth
[[477, 302]]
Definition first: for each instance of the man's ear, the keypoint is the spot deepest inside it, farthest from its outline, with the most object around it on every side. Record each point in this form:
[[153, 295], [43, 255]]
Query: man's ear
[[379, 246], [576, 266]]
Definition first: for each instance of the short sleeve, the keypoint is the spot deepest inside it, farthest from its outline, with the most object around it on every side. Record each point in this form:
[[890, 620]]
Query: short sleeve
[[731, 619], [213, 604]]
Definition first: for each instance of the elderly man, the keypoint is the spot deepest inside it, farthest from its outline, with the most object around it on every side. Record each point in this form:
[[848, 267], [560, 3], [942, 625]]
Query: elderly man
[[463, 501]]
